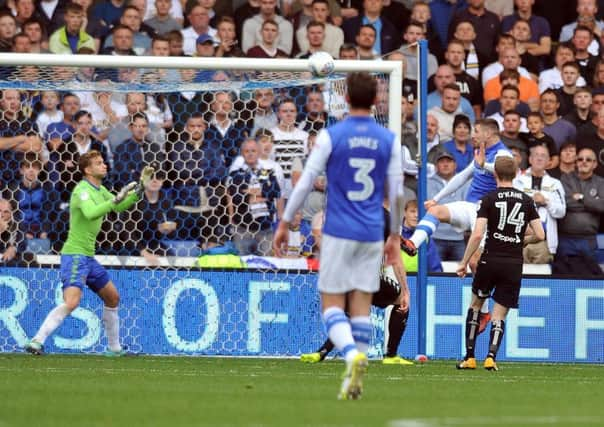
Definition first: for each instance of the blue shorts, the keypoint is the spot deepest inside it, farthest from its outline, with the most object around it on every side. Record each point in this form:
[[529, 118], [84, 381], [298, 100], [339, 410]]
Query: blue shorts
[[80, 270]]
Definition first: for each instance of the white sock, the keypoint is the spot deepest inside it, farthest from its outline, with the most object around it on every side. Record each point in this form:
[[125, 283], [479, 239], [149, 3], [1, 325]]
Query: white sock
[[425, 228], [52, 322], [111, 321], [339, 332], [361, 332], [418, 237], [485, 306]]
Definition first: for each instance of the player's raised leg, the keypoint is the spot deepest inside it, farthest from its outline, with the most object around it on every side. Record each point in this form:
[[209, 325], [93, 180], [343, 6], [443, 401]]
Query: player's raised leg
[[427, 226]]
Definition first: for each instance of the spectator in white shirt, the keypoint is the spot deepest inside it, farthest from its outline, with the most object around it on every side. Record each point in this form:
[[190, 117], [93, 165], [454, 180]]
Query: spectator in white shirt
[[199, 18]]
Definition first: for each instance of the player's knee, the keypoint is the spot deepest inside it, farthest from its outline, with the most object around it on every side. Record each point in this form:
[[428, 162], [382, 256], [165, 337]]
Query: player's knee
[[400, 309], [111, 299], [72, 303], [440, 212]]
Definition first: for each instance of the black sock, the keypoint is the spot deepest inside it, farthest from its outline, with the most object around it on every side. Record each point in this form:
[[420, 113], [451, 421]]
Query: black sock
[[325, 349], [472, 325], [497, 330], [396, 329]]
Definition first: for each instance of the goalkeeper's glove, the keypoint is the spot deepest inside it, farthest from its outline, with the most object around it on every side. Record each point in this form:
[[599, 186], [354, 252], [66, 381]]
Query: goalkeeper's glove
[[124, 192], [146, 176]]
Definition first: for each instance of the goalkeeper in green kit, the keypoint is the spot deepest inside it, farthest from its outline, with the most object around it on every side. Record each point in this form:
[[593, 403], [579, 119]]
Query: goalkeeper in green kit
[[89, 204]]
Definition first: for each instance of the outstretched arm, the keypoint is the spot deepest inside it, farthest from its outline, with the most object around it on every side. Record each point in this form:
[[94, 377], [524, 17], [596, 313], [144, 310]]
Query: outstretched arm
[[455, 183]]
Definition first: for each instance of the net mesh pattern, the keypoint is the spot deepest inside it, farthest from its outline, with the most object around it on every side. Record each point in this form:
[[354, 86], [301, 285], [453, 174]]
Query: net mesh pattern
[[191, 125]]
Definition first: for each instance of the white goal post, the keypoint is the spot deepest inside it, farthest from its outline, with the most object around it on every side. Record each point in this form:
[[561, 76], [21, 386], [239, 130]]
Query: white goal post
[[391, 68]]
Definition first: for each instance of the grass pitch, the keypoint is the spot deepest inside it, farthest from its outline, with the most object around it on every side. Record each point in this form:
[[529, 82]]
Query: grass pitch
[[185, 391]]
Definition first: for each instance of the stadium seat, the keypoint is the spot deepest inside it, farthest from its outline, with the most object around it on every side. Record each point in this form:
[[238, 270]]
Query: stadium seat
[[180, 248], [38, 246]]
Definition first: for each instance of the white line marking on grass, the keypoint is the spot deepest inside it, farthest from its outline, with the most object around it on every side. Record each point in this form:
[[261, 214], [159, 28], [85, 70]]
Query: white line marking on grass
[[495, 421]]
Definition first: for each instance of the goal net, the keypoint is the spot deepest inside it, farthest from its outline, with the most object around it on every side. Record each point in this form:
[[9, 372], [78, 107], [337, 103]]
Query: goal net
[[191, 260]]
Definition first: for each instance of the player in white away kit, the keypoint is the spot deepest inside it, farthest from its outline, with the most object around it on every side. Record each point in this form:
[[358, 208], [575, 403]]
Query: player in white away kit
[[462, 215], [361, 160]]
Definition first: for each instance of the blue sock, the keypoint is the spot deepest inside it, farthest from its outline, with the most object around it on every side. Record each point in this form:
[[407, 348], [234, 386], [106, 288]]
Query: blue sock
[[361, 332], [339, 332]]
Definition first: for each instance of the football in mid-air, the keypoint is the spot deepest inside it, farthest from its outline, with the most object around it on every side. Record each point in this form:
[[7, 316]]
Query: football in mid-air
[[321, 64]]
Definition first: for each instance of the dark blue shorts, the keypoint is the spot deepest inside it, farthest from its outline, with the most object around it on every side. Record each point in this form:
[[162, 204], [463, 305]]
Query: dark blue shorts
[[80, 270]]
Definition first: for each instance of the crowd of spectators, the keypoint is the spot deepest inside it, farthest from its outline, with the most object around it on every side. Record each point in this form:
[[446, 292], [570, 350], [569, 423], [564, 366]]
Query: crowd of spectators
[[226, 160]]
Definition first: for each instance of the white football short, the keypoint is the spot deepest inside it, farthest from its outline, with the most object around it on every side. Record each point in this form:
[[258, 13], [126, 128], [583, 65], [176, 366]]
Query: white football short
[[347, 265], [463, 217]]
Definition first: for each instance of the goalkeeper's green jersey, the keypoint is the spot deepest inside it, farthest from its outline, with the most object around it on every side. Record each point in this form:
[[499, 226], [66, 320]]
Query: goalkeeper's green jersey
[[87, 208]]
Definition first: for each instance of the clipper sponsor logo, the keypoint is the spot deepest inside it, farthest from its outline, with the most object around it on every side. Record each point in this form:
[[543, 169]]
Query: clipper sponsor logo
[[509, 239]]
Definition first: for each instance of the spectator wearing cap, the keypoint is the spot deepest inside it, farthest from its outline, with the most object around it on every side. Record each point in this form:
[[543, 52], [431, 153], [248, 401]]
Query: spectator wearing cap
[[199, 18], [252, 28], [460, 147], [450, 242], [204, 46], [71, 37]]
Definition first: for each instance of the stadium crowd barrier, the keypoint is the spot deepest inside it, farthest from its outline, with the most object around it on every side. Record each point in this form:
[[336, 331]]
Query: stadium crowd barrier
[[276, 313]]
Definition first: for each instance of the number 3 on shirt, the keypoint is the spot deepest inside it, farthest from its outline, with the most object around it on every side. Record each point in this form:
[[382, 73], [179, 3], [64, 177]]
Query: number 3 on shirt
[[363, 169]]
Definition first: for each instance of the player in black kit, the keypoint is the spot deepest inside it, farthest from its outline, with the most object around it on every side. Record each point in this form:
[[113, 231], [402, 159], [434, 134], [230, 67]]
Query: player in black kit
[[393, 295], [504, 214]]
